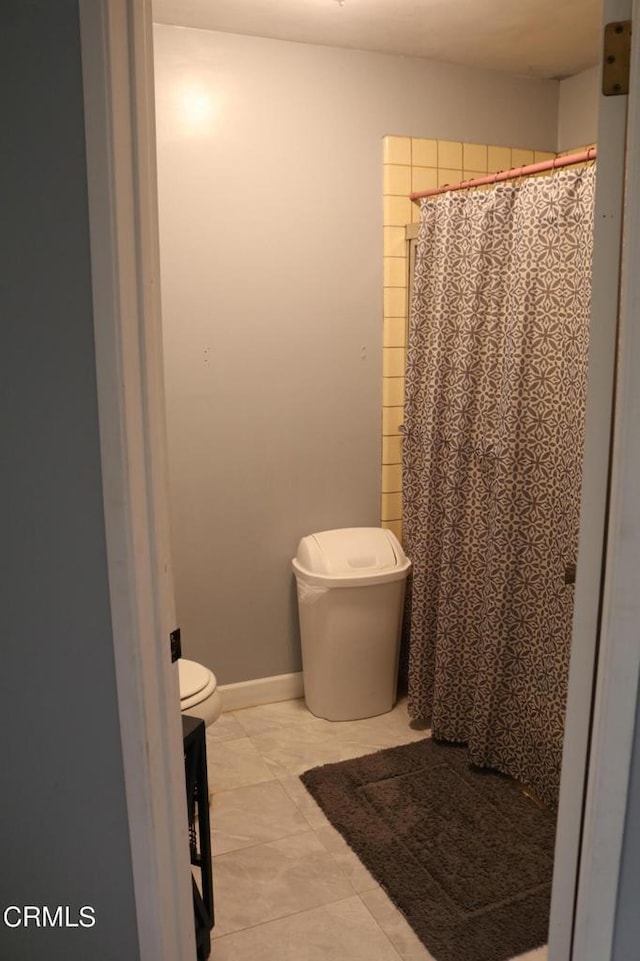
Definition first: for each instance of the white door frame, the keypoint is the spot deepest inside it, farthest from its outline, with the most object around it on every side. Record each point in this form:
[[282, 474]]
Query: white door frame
[[589, 644], [117, 62], [118, 82], [619, 650]]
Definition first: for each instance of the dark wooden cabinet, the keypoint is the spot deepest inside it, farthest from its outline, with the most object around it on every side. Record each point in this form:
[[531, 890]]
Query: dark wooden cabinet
[[195, 766]]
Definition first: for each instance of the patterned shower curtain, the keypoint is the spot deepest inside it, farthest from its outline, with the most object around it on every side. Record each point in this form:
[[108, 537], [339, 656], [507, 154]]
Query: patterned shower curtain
[[493, 432]]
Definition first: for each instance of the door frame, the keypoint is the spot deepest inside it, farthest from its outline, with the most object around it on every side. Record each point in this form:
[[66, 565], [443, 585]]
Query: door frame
[[591, 646], [117, 67], [618, 656], [117, 49]]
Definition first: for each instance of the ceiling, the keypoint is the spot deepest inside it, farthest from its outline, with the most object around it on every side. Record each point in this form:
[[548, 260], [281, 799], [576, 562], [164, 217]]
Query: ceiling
[[536, 38]]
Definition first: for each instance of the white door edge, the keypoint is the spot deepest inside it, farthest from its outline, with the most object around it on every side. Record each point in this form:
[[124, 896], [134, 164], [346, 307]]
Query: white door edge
[[116, 39], [612, 119], [619, 654]]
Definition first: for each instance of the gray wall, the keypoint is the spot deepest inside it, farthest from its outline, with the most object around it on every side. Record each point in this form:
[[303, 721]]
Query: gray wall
[[270, 182], [64, 823], [578, 109]]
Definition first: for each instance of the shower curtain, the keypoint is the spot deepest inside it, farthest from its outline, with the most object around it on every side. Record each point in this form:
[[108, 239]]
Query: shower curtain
[[493, 431]]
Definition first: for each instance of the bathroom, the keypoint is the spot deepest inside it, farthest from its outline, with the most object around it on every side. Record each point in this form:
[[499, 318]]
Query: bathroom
[[87, 666], [270, 163], [278, 166]]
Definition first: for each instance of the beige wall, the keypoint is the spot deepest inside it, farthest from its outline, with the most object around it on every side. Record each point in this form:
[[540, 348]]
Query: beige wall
[[578, 109], [272, 277]]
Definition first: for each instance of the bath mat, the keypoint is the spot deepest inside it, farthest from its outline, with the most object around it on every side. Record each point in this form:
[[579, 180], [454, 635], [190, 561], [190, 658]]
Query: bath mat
[[465, 855]]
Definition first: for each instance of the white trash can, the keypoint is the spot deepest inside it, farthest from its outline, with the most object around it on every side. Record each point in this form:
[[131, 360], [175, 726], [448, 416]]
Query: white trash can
[[351, 585]]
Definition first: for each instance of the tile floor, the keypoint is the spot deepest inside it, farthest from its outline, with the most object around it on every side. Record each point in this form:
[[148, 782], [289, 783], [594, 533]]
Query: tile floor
[[287, 887]]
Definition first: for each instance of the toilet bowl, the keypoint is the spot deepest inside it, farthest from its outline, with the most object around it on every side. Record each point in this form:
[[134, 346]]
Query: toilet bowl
[[199, 696]]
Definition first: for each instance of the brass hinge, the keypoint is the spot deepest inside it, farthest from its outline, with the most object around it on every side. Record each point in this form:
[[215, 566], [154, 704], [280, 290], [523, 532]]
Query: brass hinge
[[617, 57]]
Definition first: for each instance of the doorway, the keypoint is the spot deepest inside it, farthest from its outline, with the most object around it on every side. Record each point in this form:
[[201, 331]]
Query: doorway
[[292, 423]]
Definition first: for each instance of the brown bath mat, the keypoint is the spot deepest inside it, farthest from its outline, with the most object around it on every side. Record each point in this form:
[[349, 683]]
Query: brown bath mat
[[464, 854]]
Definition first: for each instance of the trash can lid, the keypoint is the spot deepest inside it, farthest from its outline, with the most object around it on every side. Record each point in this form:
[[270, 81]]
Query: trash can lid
[[351, 551]]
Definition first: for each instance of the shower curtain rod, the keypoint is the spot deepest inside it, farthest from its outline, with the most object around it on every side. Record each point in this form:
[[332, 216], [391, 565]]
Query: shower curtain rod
[[513, 174]]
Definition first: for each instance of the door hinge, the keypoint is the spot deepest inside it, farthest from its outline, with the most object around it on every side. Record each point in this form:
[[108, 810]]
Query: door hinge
[[176, 647], [616, 58]]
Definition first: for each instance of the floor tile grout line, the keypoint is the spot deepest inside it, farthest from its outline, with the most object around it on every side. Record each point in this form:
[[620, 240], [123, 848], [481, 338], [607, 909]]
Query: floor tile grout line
[[310, 829], [282, 917], [336, 858], [214, 791], [283, 775], [259, 844], [400, 956], [278, 773], [315, 830]]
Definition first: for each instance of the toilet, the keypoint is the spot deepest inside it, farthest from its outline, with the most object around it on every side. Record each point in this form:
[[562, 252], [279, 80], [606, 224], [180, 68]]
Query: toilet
[[199, 696]]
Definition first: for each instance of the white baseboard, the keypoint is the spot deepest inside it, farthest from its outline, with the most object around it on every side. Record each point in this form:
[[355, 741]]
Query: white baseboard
[[262, 690]]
